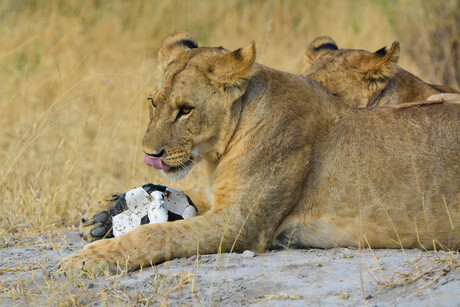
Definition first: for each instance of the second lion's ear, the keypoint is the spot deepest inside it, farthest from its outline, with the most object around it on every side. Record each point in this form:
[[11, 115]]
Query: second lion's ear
[[318, 47], [378, 67], [231, 72], [173, 45]]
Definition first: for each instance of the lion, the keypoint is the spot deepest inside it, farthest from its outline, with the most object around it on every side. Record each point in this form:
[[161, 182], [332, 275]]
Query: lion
[[289, 165], [364, 79]]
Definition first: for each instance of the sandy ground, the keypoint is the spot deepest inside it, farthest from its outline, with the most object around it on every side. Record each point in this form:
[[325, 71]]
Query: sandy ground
[[342, 276]]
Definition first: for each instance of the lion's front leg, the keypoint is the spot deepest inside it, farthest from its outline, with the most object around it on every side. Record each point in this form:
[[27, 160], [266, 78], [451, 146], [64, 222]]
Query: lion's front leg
[[154, 243]]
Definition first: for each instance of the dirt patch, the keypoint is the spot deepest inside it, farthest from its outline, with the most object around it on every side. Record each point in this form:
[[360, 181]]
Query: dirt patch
[[339, 276]]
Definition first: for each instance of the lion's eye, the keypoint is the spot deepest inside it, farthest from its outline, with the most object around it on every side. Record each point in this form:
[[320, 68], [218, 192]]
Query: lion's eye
[[184, 110], [152, 102]]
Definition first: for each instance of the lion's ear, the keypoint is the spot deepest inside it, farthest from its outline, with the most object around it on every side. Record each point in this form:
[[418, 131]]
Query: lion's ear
[[173, 45], [231, 72], [379, 67], [317, 48]]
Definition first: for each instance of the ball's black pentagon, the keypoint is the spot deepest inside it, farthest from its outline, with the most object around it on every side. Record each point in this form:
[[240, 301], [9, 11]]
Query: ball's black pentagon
[[145, 220], [120, 206], [150, 187]]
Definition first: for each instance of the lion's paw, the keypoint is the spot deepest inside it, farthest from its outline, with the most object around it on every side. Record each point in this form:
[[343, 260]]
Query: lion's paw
[[96, 222], [90, 261], [79, 264]]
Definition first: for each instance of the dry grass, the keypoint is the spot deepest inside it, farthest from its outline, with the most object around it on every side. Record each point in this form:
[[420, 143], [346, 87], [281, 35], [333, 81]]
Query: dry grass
[[417, 274], [52, 290], [431, 36], [74, 76]]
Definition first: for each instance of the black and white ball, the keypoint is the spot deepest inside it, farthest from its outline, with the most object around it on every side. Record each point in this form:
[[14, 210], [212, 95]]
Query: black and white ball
[[150, 204]]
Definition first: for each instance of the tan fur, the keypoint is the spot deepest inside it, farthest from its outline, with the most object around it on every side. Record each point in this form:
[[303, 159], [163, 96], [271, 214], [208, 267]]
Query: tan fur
[[291, 165], [363, 79]]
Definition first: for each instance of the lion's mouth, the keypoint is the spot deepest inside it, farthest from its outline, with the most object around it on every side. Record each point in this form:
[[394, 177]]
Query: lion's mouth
[[157, 163]]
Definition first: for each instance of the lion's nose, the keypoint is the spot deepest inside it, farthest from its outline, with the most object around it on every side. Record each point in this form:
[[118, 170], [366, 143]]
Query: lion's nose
[[157, 154]]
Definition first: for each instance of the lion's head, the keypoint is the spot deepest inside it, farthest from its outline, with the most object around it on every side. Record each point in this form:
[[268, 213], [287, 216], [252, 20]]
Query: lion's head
[[194, 107], [355, 76]]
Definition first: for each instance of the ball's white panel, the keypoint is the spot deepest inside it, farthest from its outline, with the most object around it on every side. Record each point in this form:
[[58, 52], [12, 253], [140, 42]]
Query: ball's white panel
[[124, 222], [158, 215], [138, 201], [156, 197], [189, 212], [156, 210], [175, 201]]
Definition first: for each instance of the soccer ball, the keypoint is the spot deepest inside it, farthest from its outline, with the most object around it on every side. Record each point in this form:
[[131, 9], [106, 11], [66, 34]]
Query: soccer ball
[[150, 204]]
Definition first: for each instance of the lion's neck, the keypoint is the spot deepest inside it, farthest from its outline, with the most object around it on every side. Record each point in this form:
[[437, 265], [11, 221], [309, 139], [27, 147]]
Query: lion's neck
[[405, 87], [273, 101], [297, 95], [227, 129]]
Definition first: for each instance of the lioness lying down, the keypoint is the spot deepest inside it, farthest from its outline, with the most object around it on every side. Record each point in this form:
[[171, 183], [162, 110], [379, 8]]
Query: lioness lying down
[[289, 164], [363, 79]]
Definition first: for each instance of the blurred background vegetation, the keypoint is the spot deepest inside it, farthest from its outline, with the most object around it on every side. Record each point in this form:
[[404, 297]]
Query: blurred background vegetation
[[74, 75]]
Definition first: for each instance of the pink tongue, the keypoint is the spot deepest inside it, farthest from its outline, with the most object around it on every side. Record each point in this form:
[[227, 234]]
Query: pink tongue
[[156, 163]]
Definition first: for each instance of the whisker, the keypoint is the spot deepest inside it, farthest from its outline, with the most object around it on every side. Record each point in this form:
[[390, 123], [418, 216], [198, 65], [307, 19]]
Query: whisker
[[182, 165]]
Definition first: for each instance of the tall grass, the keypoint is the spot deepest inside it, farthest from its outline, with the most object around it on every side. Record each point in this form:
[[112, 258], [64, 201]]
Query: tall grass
[[431, 36], [74, 76]]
